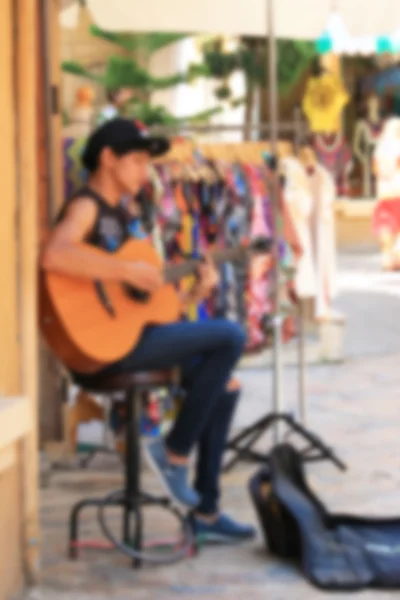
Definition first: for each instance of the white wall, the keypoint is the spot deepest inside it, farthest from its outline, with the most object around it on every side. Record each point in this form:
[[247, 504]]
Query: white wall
[[186, 100]]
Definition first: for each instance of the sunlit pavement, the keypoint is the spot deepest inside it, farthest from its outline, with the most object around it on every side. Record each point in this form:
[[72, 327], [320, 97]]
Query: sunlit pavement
[[355, 406], [370, 298]]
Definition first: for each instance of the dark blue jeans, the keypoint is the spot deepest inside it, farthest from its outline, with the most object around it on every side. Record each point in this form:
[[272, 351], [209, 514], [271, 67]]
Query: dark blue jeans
[[207, 352]]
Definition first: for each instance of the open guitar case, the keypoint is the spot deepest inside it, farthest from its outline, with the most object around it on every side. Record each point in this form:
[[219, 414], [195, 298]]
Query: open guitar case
[[334, 551]]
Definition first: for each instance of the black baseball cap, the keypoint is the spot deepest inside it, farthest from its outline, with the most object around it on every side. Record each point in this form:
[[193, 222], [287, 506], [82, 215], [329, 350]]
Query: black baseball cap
[[121, 136]]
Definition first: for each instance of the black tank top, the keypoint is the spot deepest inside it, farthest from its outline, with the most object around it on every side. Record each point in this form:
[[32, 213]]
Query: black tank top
[[113, 225]]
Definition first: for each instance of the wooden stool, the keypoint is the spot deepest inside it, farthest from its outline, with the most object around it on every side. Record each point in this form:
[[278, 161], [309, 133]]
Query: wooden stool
[[131, 499]]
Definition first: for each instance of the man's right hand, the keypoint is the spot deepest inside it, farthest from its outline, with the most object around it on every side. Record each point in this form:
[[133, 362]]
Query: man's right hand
[[144, 277]]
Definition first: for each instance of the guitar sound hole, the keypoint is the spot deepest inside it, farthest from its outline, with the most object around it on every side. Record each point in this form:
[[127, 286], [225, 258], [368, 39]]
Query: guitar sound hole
[[135, 294]]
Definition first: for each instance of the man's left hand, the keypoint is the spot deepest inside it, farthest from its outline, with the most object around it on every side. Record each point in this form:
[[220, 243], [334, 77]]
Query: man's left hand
[[208, 276], [207, 279]]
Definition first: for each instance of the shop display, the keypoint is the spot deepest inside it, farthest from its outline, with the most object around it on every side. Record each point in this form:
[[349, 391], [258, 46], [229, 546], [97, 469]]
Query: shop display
[[322, 232], [386, 218], [366, 135], [298, 199], [334, 154], [323, 103], [192, 206], [231, 203]]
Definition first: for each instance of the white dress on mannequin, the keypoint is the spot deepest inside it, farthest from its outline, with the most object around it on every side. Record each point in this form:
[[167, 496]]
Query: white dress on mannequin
[[298, 199], [323, 239]]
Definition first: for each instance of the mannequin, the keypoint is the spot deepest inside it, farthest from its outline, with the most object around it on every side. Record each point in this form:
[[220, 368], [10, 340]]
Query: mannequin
[[366, 134], [299, 202], [324, 101], [322, 228], [332, 150], [386, 218]]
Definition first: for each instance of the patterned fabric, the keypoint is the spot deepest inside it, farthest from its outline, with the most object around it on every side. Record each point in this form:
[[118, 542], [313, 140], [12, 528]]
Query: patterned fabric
[[386, 217], [188, 215], [335, 155]]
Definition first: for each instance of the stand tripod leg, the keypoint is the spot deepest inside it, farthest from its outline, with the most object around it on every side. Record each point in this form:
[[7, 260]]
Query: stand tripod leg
[[317, 449], [302, 365], [244, 441], [241, 445]]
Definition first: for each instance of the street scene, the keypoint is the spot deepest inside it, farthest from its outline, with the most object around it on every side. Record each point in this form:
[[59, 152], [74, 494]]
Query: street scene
[[200, 270]]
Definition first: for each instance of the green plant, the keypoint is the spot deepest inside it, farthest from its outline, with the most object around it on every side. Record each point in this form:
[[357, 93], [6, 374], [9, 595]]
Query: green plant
[[131, 70], [250, 58]]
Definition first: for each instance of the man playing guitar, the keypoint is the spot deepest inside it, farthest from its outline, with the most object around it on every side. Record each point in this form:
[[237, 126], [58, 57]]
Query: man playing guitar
[[117, 157]]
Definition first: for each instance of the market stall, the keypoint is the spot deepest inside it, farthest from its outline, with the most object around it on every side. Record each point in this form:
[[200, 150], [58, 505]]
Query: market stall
[[269, 19]]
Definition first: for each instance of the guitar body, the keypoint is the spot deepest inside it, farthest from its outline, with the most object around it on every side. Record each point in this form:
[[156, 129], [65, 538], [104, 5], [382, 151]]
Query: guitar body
[[78, 325]]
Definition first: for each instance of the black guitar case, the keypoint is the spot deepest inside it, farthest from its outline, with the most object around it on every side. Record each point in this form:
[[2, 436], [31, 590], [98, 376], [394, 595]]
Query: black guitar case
[[335, 552]]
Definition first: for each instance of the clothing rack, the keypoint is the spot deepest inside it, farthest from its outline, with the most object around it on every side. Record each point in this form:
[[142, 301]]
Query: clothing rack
[[285, 127], [268, 153], [250, 150]]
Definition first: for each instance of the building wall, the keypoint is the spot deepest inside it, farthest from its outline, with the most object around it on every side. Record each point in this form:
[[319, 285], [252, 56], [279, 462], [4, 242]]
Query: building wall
[[8, 254], [11, 557], [18, 320], [10, 516]]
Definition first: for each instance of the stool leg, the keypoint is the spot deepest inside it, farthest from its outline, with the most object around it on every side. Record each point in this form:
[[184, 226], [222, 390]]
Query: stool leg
[[73, 550], [132, 472]]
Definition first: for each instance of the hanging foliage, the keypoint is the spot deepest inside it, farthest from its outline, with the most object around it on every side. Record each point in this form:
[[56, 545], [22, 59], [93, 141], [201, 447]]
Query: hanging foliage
[[293, 59], [221, 65], [158, 115], [253, 65], [223, 92], [130, 71], [148, 43], [125, 72], [74, 68]]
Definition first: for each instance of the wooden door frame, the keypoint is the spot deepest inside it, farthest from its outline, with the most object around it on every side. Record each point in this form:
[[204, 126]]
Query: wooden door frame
[[50, 191], [27, 167]]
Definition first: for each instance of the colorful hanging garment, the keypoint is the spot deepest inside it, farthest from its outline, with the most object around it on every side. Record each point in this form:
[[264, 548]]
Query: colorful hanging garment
[[334, 153]]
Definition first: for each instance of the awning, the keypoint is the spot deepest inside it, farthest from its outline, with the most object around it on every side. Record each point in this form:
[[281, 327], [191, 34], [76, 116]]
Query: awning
[[294, 19]]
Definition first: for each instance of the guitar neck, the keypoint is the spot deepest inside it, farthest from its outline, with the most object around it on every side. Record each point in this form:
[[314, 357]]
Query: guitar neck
[[174, 273]]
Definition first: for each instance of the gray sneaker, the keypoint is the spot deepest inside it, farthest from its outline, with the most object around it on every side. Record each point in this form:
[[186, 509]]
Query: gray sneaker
[[173, 477]]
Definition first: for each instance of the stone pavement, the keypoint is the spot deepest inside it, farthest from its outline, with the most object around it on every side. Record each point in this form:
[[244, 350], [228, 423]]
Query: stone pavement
[[370, 298], [354, 406]]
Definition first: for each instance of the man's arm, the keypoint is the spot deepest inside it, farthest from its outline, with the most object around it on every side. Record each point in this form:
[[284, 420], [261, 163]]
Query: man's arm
[[67, 253], [208, 279]]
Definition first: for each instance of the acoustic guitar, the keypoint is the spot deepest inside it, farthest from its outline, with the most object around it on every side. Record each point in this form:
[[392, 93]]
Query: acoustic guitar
[[91, 324]]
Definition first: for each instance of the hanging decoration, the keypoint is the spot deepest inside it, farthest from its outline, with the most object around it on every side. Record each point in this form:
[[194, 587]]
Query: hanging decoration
[[335, 38], [324, 100], [384, 45], [324, 44]]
